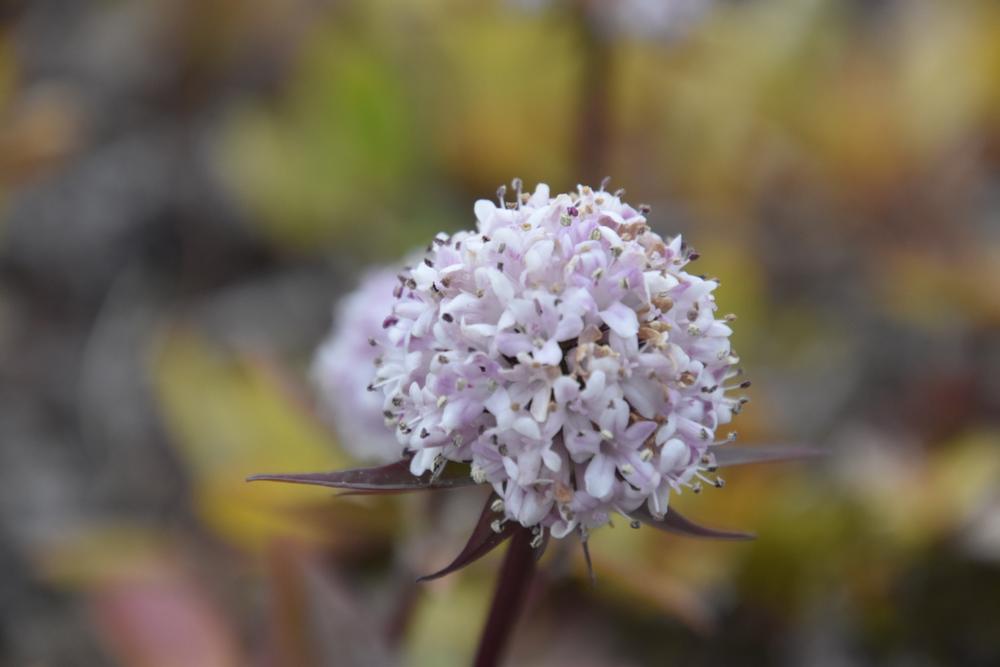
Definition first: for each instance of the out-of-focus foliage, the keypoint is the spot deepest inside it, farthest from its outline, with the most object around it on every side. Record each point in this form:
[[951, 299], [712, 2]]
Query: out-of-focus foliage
[[302, 171], [241, 426], [144, 598], [187, 187]]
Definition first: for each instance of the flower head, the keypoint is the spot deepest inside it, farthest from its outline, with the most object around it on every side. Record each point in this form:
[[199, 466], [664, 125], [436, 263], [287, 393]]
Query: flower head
[[343, 367], [562, 349]]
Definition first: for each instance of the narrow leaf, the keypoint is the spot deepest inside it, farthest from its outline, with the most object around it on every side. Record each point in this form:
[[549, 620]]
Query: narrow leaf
[[676, 523], [731, 455], [509, 599], [482, 541], [391, 478]]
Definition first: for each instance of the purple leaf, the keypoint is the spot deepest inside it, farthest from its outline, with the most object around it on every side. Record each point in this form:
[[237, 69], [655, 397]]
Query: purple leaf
[[391, 478], [482, 541], [509, 598], [730, 455], [675, 523]]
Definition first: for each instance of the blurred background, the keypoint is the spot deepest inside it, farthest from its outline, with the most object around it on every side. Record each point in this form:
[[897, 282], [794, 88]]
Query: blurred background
[[188, 186]]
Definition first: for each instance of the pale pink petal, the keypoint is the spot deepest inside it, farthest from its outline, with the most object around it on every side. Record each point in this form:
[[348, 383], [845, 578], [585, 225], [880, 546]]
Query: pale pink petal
[[600, 476], [621, 319]]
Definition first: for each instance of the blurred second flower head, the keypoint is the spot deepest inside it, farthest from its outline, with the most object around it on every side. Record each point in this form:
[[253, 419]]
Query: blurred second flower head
[[344, 368]]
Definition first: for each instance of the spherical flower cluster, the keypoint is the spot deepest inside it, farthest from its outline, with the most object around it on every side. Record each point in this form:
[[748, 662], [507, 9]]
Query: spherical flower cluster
[[562, 350], [342, 369]]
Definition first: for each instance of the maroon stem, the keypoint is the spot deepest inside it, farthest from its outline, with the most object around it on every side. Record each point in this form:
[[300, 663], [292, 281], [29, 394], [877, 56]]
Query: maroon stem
[[508, 600], [594, 128]]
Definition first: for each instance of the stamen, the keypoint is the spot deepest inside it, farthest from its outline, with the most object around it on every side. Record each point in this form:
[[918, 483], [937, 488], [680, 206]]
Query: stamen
[[537, 540], [663, 302], [586, 555], [439, 463]]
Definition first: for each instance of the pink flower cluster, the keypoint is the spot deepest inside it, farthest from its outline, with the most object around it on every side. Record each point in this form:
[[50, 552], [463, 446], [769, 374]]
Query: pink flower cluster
[[563, 351], [342, 369]]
